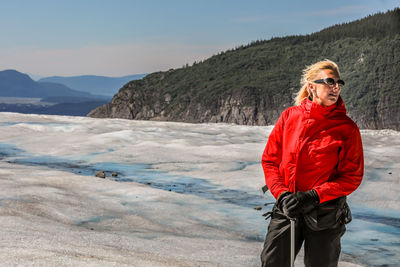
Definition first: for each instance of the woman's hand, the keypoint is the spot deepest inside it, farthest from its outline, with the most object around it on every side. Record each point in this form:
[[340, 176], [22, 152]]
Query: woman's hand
[[299, 203]]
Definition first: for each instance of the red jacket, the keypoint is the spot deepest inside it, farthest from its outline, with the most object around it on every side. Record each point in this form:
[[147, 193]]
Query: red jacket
[[314, 147]]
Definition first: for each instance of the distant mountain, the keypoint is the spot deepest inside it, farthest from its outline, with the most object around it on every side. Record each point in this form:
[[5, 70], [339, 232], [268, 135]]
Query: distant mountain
[[254, 83], [100, 85], [56, 99], [35, 77], [17, 84]]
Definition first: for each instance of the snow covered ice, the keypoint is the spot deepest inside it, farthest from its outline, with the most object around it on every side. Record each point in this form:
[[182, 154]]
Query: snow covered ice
[[184, 194]]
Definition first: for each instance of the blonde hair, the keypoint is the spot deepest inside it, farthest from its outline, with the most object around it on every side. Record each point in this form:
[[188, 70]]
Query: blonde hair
[[309, 74]]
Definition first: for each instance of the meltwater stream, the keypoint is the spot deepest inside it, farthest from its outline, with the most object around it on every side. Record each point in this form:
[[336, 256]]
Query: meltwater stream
[[140, 173]]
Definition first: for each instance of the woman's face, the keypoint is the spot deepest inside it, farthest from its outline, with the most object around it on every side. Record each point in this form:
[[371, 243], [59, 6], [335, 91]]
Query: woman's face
[[323, 93]]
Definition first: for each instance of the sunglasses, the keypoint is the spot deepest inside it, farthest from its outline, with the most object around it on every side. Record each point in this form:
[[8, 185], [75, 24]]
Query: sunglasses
[[330, 81]]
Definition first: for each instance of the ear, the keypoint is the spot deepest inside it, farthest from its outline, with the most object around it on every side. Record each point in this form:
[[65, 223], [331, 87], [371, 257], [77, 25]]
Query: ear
[[310, 89], [310, 86]]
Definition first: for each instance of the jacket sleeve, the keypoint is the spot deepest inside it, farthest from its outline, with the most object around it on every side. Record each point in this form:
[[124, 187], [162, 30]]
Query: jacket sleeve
[[272, 158], [350, 170]]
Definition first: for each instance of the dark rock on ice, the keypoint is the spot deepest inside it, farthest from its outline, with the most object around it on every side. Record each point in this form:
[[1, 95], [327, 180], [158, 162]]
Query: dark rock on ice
[[101, 174]]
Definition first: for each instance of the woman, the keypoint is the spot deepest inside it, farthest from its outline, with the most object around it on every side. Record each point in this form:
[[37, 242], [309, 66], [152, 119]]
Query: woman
[[312, 161]]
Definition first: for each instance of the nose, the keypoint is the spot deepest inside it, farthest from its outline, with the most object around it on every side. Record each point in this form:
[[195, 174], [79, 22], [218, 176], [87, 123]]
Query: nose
[[336, 86]]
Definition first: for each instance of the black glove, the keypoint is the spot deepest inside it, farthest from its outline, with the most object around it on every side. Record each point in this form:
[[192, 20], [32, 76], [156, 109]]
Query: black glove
[[299, 203], [282, 198]]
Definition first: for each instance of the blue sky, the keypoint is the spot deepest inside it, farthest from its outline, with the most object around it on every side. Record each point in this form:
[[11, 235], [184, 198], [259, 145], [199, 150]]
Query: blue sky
[[122, 37]]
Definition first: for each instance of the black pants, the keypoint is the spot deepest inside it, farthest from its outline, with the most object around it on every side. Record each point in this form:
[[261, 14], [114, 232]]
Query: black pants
[[321, 248]]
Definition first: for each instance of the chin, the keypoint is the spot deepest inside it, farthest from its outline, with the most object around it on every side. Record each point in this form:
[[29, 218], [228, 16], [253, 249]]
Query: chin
[[329, 103]]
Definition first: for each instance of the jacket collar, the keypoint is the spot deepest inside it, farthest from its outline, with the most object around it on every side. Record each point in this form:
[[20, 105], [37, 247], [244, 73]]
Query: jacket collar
[[319, 111]]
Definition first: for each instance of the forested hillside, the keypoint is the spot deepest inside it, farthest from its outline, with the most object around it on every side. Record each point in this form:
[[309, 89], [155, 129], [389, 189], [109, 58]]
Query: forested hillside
[[254, 83]]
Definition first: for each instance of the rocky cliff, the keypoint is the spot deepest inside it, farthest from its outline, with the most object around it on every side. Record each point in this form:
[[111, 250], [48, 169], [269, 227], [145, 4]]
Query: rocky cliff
[[240, 107]]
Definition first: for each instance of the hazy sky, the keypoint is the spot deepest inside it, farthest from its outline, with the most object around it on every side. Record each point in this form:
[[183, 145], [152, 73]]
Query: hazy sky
[[122, 37]]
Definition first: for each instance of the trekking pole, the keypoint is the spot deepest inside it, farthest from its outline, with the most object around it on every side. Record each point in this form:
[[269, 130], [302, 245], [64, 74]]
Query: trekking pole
[[292, 237]]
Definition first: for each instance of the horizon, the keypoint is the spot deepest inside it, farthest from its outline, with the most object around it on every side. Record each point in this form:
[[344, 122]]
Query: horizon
[[124, 38], [36, 77]]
